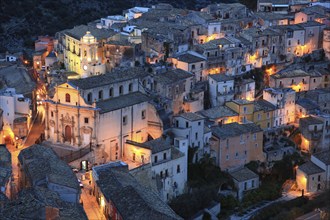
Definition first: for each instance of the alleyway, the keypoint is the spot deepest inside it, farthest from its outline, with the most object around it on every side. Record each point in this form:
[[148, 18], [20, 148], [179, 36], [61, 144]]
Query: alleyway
[[36, 129], [91, 207]]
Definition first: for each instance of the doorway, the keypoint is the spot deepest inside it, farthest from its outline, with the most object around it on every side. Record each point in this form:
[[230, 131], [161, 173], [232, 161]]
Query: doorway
[[67, 136]]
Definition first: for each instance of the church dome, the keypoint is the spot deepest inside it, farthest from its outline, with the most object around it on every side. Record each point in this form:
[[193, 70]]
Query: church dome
[[88, 38]]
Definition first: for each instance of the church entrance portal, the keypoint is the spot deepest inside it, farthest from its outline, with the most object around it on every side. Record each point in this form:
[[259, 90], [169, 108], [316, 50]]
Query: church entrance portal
[[67, 133]]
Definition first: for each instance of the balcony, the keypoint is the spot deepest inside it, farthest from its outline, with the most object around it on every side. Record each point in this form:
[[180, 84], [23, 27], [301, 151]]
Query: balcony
[[230, 92]]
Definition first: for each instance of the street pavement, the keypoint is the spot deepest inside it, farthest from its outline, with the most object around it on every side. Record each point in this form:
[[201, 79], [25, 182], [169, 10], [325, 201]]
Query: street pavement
[[91, 207]]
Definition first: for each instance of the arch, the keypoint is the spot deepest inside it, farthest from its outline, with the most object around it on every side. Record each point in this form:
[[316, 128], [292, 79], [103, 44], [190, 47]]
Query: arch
[[67, 97], [121, 90], [67, 133], [111, 92], [89, 97], [101, 94]]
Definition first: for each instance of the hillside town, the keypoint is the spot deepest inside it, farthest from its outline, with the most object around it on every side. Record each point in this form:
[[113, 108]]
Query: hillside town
[[168, 113]]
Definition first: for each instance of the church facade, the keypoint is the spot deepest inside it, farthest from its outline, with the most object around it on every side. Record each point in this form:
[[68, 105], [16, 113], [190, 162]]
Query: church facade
[[102, 111]]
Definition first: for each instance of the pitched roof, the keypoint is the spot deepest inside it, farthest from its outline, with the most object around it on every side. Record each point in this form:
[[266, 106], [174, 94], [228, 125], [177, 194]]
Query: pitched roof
[[79, 31], [310, 168], [218, 112], [190, 58], [122, 101], [191, 116], [234, 129], [41, 162], [221, 77], [31, 201], [243, 174], [307, 104], [310, 120], [323, 156], [156, 145], [263, 105], [172, 76], [289, 74], [118, 75], [132, 200]]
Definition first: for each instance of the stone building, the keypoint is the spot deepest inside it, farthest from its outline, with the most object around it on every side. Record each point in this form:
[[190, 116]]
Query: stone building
[[83, 113], [234, 145]]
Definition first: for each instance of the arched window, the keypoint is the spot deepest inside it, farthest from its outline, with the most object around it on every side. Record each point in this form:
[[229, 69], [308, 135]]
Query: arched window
[[89, 97], [111, 92], [67, 97], [130, 87], [100, 94], [121, 90]]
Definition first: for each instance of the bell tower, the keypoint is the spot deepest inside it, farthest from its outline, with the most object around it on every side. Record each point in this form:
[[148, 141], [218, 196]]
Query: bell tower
[[88, 54]]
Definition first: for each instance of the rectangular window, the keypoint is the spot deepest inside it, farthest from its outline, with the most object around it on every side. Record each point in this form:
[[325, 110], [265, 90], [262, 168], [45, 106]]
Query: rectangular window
[[52, 114], [86, 120], [187, 124], [164, 156], [178, 169], [124, 120], [196, 135], [166, 173], [155, 159], [143, 114]]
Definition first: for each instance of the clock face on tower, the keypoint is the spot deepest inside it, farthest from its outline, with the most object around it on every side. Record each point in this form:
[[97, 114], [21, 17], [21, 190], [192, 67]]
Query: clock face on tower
[[85, 67]]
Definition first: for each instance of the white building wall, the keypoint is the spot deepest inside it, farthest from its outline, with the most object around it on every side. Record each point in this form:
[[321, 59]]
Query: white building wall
[[220, 92]]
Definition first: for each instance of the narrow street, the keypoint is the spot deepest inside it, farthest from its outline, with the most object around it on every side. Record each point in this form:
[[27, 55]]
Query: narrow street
[[36, 129], [91, 207]]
